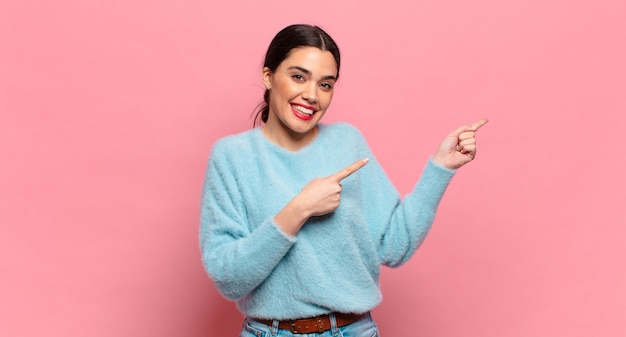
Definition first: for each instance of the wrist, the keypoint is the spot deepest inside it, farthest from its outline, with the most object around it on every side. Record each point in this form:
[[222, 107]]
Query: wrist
[[442, 162], [439, 161], [291, 218]]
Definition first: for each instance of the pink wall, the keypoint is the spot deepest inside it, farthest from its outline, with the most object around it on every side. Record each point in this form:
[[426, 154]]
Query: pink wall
[[109, 110]]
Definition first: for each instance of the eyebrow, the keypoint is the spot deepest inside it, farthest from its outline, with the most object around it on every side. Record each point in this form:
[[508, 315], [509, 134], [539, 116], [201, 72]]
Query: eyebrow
[[308, 73]]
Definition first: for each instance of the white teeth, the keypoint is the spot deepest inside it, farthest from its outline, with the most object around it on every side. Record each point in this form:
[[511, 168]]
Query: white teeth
[[303, 110]]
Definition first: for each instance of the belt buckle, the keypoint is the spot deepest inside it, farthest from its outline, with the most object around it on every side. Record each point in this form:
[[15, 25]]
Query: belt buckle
[[294, 328]]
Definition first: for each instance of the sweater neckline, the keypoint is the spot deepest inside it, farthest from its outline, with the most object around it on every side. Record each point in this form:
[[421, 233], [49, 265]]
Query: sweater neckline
[[280, 149]]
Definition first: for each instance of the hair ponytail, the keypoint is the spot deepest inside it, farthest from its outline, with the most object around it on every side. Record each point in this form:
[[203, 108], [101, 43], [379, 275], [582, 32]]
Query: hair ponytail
[[262, 111]]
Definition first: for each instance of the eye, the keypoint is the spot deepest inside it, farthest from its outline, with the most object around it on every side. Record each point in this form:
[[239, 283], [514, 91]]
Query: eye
[[298, 77], [326, 86]]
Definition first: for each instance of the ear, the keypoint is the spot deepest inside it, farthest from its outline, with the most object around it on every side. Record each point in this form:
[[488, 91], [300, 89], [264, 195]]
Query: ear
[[267, 77]]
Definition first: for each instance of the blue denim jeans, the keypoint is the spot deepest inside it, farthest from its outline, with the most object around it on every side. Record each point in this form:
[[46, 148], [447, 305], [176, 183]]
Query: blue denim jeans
[[365, 327]]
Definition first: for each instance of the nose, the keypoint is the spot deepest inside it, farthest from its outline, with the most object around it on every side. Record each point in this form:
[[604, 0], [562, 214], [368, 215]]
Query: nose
[[310, 92]]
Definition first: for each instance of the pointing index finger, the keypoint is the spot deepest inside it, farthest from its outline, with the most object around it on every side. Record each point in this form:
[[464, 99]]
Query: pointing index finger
[[480, 123], [350, 169]]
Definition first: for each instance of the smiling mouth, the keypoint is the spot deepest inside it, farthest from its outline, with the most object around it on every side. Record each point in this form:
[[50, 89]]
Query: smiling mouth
[[303, 110]]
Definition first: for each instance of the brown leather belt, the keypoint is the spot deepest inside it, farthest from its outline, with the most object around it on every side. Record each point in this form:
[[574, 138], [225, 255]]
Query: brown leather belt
[[314, 324]]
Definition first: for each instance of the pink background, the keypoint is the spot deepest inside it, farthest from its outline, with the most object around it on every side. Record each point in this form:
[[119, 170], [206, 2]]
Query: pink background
[[109, 110]]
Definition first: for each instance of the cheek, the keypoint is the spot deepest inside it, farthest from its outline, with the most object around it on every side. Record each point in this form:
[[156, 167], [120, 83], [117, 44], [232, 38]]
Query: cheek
[[282, 91], [276, 97], [328, 97]]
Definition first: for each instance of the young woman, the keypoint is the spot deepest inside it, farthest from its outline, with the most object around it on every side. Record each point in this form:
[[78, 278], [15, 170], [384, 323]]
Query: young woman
[[298, 216]]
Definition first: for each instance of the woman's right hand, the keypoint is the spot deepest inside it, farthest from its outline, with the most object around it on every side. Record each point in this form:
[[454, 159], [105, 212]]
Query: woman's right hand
[[319, 197]]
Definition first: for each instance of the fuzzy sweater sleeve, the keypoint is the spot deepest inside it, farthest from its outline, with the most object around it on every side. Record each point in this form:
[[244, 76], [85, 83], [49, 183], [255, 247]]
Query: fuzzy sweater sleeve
[[412, 219], [400, 225], [234, 252]]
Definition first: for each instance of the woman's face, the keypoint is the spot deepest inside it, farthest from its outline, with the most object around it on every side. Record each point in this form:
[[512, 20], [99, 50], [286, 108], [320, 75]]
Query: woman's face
[[301, 90]]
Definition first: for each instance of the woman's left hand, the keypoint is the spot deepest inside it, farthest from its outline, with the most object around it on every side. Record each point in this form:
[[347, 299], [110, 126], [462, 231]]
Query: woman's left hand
[[459, 147]]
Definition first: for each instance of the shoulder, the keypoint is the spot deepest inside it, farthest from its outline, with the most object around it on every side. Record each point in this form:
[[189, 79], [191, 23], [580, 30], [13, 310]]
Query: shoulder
[[342, 130], [239, 142], [341, 127], [231, 150], [344, 141]]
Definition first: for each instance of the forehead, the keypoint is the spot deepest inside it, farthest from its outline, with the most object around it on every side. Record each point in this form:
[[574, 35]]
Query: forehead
[[315, 60]]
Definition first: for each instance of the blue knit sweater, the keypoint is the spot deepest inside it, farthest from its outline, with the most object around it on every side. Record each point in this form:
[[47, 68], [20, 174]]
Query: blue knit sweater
[[333, 263]]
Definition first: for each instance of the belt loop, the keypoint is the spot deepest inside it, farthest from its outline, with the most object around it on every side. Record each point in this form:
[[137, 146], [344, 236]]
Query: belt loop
[[274, 327], [333, 324]]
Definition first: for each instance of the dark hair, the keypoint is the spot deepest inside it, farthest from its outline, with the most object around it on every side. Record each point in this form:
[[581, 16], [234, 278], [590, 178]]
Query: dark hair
[[288, 38]]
